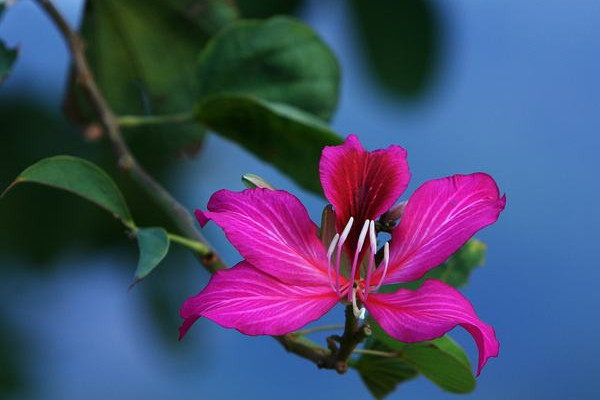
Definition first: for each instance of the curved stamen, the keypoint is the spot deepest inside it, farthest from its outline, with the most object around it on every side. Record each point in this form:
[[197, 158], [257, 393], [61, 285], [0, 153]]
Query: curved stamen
[[386, 262], [358, 312], [341, 242], [361, 242], [373, 243], [334, 241]]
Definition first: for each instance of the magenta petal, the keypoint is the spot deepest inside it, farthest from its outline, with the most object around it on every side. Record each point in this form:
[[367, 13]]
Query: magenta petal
[[362, 184], [439, 218], [272, 230], [255, 303], [430, 312]]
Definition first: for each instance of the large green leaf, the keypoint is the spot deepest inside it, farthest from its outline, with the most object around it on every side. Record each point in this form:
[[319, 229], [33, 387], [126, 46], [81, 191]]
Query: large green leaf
[[80, 177], [441, 360], [153, 245], [441, 365], [143, 54], [287, 137], [401, 41], [280, 60], [382, 375]]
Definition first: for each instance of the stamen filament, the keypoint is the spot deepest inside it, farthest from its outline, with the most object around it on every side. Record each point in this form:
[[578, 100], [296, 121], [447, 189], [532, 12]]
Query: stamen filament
[[373, 243], [341, 242], [334, 241], [386, 262], [361, 242]]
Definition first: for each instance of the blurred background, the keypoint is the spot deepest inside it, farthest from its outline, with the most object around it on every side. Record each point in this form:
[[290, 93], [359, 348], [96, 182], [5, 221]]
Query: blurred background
[[507, 87]]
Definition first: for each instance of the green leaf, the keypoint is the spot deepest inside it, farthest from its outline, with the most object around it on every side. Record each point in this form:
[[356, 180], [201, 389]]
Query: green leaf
[[402, 43], [143, 54], [441, 360], [381, 375], [286, 137], [280, 60], [154, 246], [80, 177]]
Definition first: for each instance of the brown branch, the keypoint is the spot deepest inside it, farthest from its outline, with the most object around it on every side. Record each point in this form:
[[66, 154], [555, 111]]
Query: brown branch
[[334, 358], [181, 218]]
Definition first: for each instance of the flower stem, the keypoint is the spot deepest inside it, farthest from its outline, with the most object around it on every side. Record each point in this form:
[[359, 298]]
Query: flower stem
[[126, 121], [324, 328], [195, 245], [375, 353]]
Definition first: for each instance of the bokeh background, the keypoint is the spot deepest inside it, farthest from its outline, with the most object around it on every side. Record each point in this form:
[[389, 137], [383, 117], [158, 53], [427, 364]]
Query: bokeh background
[[506, 87]]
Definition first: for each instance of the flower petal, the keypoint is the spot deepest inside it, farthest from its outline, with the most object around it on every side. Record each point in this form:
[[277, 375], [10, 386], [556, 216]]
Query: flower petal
[[429, 312], [439, 218], [272, 230], [255, 303], [362, 184]]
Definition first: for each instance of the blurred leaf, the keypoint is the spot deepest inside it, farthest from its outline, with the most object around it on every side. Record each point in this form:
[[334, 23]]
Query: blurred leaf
[[7, 58], [441, 360], [455, 271], [267, 8], [284, 136], [280, 60], [381, 375], [153, 245], [401, 40], [80, 177], [7, 55], [143, 54]]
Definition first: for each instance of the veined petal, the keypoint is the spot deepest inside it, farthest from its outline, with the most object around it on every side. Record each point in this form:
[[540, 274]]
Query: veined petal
[[429, 312], [439, 218], [362, 184], [272, 230], [255, 303]]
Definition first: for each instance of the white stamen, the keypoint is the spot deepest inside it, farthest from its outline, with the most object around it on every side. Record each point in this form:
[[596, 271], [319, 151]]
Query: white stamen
[[362, 236], [332, 245], [338, 261], [386, 262], [361, 242], [373, 238], [346, 231]]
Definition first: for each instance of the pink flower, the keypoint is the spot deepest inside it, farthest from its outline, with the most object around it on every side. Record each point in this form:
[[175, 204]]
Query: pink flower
[[289, 277]]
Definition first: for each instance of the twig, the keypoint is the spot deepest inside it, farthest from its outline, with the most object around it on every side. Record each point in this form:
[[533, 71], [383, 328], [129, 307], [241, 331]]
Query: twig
[[127, 162], [324, 328], [376, 353], [139, 120], [180, 216]]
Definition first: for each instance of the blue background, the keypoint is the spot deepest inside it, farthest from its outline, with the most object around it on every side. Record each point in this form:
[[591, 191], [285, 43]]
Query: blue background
[[517, 96]]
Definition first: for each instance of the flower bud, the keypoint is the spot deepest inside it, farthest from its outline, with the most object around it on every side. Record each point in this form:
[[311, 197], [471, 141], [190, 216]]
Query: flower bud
[[254, 181]]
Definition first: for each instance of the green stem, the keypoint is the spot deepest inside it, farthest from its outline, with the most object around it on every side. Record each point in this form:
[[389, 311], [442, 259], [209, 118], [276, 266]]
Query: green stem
[[324, 328], [127, 121], [195, 245], [375, 353]]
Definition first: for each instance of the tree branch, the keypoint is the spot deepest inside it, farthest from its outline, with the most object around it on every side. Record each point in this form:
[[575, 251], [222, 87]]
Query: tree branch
[[333, 358], [127, 162]]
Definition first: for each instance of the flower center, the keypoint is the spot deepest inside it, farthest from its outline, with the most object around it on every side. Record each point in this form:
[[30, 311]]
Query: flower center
[[336, 245]]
